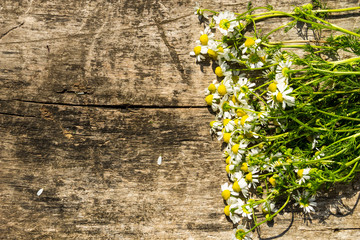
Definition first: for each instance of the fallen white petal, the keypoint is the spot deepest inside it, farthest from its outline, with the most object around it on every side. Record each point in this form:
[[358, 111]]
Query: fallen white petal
[[159, 160], [40, 192]]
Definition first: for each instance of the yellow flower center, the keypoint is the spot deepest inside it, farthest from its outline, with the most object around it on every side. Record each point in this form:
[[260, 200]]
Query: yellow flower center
[[212, 123], [208, 99], [228, 160], [227, 210], [236, 186], [240, 234], [221, 49], [212, 54], [300, 173], [240, 113], [272, 87], [227, 168], [204, 39], [244, 167], [224, 24], [235, 148], [219, 72], [226, 121], [226, 194], [279, 97], [249, 42], [227, 137], [222, 89], [197, 50], [272, 181], [212, 88], [248, 177], [236, 121], [243, 119]]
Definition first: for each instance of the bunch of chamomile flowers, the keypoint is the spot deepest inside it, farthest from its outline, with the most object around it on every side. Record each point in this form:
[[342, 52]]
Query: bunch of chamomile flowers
[[280, 116]]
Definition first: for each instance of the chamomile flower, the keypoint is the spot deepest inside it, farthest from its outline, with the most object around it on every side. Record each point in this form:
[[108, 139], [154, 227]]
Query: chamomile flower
[[250, 43], [254, 60], [282, 69], [245, 210], [226, 22], [233, 203], [268, 207], [243, 87], [239, 233], [238, 149], [306, 202], [227, 191], [206, 36], [303, 174], [282, 97], [240, 184], [252, 178], [246, 121], [198, 53], [215, 126]]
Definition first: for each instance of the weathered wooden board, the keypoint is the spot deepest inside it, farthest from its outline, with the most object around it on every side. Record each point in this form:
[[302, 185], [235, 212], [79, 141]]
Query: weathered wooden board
[[91, 94]]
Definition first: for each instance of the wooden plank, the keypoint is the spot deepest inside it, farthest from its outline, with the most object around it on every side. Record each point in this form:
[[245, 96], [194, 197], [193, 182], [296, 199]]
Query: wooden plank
[[98, 168], [92, 93]]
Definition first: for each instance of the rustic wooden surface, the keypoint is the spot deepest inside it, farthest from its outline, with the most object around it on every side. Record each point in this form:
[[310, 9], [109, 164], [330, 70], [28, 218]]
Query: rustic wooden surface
[[91, 94]]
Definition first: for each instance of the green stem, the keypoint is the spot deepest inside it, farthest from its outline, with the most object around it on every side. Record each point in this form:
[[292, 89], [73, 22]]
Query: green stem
[[273, 215], [335, 72], [345, 61], [341, 117], [276, 29]]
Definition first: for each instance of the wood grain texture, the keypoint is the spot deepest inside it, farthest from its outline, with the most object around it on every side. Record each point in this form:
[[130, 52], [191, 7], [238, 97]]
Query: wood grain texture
[[91, 94]]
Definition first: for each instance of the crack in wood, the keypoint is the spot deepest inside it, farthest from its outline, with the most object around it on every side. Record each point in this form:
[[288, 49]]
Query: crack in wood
[[11, 29], [112, 106], [16, 115]]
